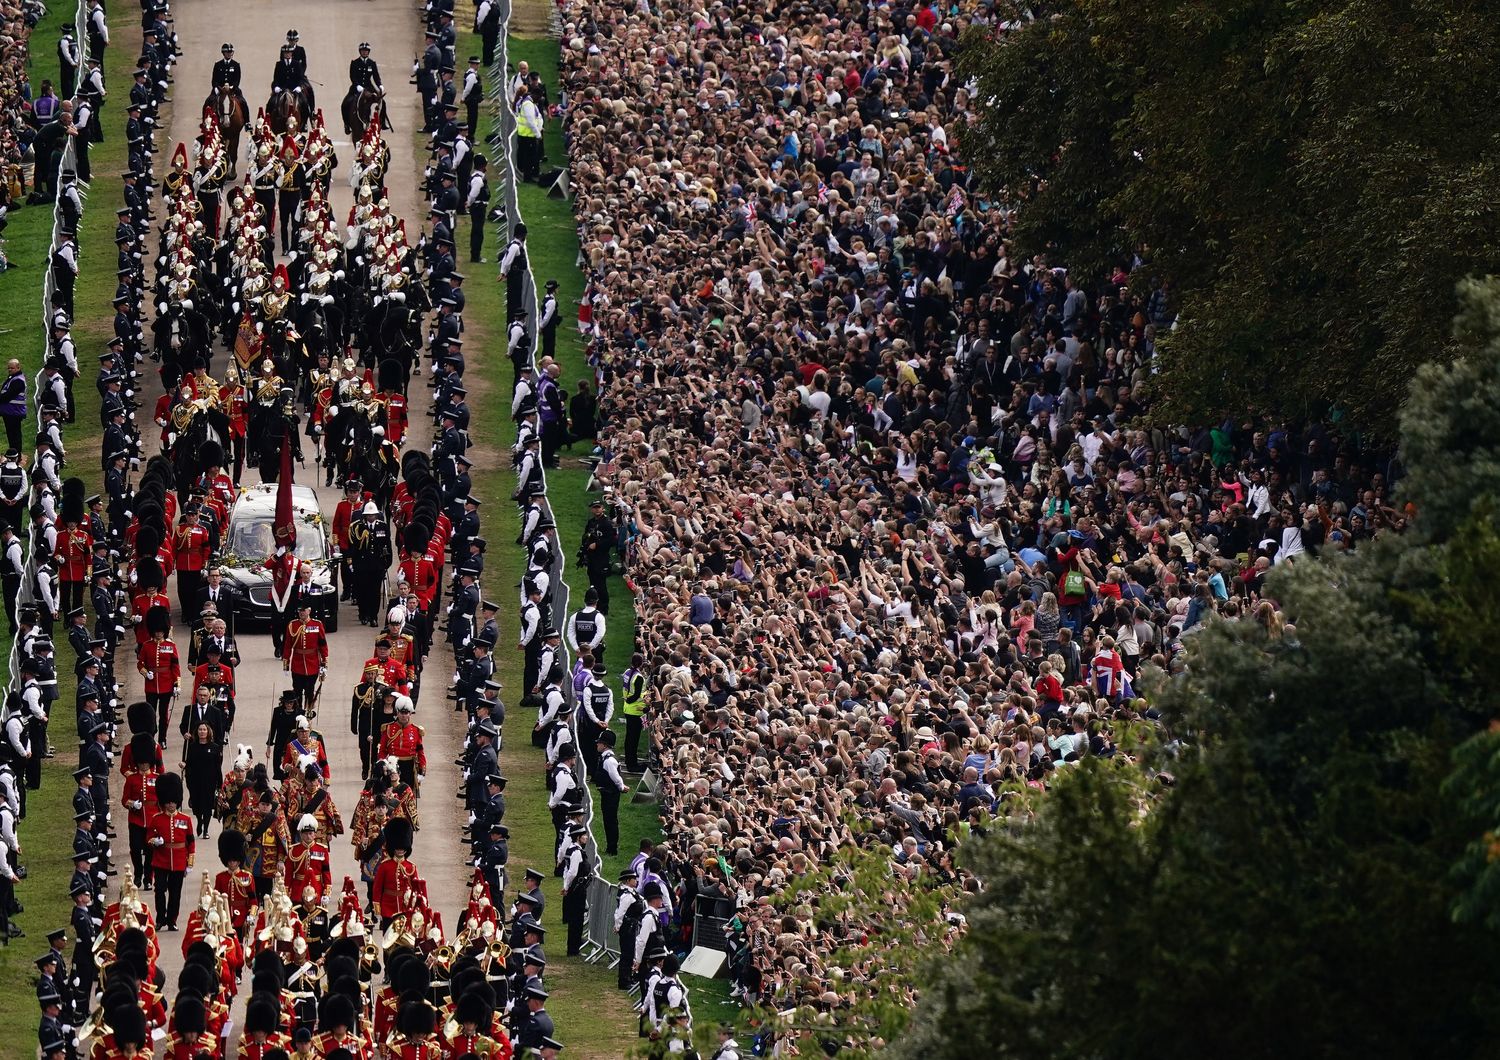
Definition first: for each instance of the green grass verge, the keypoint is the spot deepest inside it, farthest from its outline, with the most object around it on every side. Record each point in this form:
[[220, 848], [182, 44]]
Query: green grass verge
[[593, 1018], [46, 835]]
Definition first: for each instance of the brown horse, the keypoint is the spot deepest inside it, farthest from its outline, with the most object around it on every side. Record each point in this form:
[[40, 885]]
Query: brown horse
[[284, 106], [229, 110], [359, 107]]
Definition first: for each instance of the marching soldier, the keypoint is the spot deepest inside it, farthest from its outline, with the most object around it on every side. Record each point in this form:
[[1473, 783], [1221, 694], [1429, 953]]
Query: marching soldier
[[364, 712], [370, 543], [192, 548], [171, 835], [158, 661], [305, 654], [403, 741]]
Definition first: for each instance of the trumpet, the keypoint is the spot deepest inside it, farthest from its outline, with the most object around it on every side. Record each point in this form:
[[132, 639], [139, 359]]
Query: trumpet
[[442, 958], [497, 952], [369, 957]]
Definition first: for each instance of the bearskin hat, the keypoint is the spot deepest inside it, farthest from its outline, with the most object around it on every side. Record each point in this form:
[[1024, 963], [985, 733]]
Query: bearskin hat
[[129, 1025], [141, 719], [169, 789], [472, 1009], [337, 1011], [263, 1013], [148, 537], [398, 834], [148, 576], [143, 747], [231, 846], [210, 454], [415, 1018], [189, 1014], [159, 619]]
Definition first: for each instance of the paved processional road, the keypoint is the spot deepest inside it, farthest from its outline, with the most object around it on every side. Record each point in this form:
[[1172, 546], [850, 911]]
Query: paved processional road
[[330, 32]]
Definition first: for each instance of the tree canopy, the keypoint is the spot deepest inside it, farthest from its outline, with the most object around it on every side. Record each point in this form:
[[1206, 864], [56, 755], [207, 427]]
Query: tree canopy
[[1313, 179], [1309, 862]]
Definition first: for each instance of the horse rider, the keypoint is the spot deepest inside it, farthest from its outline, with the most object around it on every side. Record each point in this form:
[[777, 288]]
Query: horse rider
[[227, 75], [364, 76]]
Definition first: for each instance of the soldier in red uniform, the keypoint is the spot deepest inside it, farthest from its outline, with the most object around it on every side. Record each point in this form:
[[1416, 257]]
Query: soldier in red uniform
[[171, 838], [414, 1038], [158, 661], [148, 594], [127, 1036], [75, 550], [263, 1034], [235, 881], [471, 1013], [189, 1038], [403, 741], [236, 399], [191, 547], [392, 888], [343, 514], [418, 568], [304, 652], [307, 864], [403, 649], [394, 400], [336, 1025], [393, 673], [139, 800]]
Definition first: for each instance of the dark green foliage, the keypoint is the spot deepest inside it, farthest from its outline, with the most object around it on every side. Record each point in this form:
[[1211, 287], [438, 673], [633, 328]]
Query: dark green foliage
[[1314, 179]]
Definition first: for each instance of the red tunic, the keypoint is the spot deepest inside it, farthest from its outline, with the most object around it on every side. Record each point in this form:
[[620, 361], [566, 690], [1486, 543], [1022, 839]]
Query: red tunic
[[192, 548], [176, 832], [159, 663], [395, 416], [305, 648], [307, 866], [239, 885], [141, 788], [392, 887], [75, 547], [404, 742], [421, 574]]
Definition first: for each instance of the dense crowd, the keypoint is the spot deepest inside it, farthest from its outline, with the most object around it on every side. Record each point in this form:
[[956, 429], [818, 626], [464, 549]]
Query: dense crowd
[[900, 534]]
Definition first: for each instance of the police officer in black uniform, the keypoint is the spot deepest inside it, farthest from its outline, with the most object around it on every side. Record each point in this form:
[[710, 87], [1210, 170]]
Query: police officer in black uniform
[[227, 74], [596, 551]]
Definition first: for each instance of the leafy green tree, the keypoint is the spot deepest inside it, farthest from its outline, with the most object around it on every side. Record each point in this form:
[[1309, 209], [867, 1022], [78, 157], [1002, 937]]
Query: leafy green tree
[[1322, 877], [1312, 178]]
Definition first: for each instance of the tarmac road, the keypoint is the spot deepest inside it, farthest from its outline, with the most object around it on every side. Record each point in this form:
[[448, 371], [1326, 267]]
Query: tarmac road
[[330, 32]]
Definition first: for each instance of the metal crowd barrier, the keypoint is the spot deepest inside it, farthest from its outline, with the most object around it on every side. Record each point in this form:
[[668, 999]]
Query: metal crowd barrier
[[600, 932]]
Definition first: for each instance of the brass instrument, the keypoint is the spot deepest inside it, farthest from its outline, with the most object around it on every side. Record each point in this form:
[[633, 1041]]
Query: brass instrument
[[94, 1026], [497, 952]]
